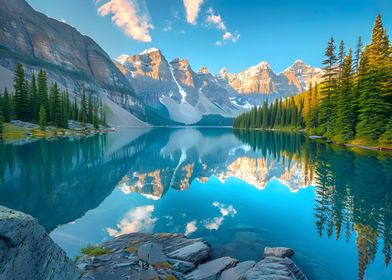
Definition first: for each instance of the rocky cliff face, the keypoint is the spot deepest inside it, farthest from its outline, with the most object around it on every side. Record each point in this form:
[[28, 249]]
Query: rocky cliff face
[[301, 75], [261, 79], [27, 251], [175, 88], [70, 58]]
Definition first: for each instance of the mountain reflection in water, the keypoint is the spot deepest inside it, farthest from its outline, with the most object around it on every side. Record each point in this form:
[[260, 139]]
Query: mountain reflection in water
[[240, 190]]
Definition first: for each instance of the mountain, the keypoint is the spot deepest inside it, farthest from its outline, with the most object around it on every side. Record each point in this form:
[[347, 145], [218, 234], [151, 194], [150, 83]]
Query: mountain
[[301, 75], [261, 79], [71, 59], [175, 89], [185, 96]]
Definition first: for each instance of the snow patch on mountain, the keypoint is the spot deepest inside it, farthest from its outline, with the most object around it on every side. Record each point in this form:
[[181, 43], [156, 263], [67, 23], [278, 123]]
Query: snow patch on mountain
[[180, 89], [181, 112]]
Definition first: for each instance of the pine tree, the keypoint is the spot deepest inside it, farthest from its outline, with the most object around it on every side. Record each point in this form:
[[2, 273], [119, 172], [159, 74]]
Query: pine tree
[[307, 111], [358, 54], [42, 117], [374, 108], [6, 106], [1, 124], [83, 109], [328, 86], [43, 90], [95, 117], [90, 109], [34, 102], [21, 104], [341, 56], [54, 105], [345, 119]]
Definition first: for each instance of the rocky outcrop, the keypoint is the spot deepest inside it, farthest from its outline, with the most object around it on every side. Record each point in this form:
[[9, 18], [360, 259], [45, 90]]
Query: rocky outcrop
[[27, 251], [174, 256]]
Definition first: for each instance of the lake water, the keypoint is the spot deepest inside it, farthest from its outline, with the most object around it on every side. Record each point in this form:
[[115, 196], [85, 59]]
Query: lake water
[[241, 191]]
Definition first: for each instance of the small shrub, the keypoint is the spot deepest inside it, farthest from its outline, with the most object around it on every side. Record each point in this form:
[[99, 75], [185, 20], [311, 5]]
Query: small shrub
[[171, 277], [132, 250], [164, 265], [94, 251]]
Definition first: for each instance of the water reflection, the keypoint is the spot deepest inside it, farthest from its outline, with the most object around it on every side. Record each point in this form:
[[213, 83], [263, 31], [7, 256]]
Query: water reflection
[[237, 189], [353, 194]]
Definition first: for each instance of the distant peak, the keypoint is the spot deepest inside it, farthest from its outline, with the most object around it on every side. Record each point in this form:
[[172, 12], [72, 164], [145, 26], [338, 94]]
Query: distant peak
[[262, 65], [299, 61], [203, 70], [122, 58], [150, 50], [223, 70]]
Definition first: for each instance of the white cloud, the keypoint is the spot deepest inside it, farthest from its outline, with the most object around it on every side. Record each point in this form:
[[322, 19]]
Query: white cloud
[[127, 16], [229, 36], [215, 223], [190, 227], [225, 210], [138, 219], [192, 8], [215, 19]]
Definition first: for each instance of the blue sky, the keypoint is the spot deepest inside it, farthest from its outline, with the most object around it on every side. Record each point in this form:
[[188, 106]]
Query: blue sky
[[221, 33]]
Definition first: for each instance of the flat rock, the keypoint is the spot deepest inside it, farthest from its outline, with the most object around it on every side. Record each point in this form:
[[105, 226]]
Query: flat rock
[[195, 252], [212, 269], [280, 252], [145, 274], [27, 251], [273, 268], [237, 272], [151, 253], [181, 266]]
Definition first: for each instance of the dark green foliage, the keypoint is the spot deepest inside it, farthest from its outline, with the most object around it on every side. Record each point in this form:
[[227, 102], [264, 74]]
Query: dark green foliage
[[32, 102], [42, 118], [21, 103], [280, 114], [6, 106]]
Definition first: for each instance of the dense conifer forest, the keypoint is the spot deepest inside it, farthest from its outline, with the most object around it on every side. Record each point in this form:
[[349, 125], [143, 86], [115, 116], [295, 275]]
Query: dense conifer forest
[[37, 102], [353, 103]]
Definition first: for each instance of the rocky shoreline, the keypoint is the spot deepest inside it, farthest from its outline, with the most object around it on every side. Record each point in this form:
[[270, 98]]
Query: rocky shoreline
[[27, 252]]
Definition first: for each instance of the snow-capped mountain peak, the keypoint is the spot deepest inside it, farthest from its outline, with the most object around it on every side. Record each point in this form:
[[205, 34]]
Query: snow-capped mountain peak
[[150, 50]]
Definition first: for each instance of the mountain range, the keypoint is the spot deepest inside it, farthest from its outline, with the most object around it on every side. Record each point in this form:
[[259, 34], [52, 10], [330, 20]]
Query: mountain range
[[138, 89]]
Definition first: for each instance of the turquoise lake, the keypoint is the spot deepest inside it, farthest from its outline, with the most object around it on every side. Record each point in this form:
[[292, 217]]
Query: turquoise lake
[[241, 191]]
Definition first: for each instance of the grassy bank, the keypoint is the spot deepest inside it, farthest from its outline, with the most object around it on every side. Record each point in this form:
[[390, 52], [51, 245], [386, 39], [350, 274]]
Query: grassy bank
[[13, 132]]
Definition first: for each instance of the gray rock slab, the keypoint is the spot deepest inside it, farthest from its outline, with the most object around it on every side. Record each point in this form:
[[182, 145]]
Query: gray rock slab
[[280, 252], [27, 251], [196, 252], [151, 253], [181, 266], [237, 272], [212, 269]]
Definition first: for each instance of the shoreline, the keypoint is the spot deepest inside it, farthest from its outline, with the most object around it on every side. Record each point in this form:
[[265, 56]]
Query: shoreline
[[327, 140], [19, 131]]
